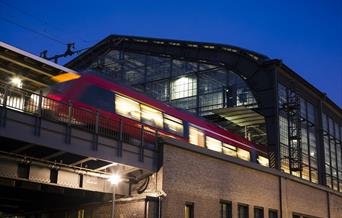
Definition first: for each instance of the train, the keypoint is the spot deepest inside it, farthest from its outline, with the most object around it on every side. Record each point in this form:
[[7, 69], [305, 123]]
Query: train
[[117, 102]]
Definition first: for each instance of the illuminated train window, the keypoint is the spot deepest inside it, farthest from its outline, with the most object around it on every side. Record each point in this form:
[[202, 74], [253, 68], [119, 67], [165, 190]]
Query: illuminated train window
[[127, 107], [173, 125], [196, 136], [151, 116], [229, 150], [213, 144], [263, 161], [243, 154]]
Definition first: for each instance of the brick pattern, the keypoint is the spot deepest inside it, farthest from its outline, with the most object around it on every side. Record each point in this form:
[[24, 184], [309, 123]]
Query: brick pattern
[[192, 177]]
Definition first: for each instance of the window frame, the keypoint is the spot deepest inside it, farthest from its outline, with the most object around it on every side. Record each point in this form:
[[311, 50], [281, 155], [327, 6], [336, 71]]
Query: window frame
[[143, 120], [270, 210], [228, 147], [229, 214], [240, 151], [125, 97], [259, 208], [242, 205], [208, 138], [197, 130], [165, 115], [191, 207]]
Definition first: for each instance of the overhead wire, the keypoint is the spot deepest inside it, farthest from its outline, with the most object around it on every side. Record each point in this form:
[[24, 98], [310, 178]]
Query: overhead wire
[[37, 19], [44, 34], [33, 30]]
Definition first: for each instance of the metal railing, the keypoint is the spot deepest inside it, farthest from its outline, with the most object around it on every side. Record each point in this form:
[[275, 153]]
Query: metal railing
[[43, 107]]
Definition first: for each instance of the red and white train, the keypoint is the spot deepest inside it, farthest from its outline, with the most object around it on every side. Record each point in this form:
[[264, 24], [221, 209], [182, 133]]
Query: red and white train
[[115, 101]]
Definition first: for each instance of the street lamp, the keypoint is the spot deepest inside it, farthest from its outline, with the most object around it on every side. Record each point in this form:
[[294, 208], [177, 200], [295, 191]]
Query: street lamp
[[114, 179]]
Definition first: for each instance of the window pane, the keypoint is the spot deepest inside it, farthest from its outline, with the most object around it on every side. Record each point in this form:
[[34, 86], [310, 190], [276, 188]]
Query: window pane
[[173, 125], [243, 154], [214, 144], [273, 214], [229, 150], [226, 210], [127, 107], [189, 211], [183, 87], [263, 161], [258, 212], [196, 136], [243, 211], [151, 116]]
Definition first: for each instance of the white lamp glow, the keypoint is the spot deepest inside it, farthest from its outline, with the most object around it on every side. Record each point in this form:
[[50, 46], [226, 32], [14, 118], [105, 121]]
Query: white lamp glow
[[115, 179], [16, 81]]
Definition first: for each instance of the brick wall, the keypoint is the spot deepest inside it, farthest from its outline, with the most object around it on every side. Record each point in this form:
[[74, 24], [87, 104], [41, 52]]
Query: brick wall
[[204, 180]]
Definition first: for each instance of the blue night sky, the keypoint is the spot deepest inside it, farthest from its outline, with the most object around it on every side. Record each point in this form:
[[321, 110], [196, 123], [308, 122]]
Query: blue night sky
[[306, 35]]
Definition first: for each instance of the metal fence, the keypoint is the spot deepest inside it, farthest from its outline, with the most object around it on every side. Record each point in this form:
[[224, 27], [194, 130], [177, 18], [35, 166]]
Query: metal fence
[[41, 106]]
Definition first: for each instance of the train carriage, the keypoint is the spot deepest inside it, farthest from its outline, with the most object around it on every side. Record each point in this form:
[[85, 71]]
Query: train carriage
[[136, 111]]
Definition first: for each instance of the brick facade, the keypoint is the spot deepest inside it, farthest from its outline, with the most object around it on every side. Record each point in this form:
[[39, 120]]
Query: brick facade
[[205, 179]]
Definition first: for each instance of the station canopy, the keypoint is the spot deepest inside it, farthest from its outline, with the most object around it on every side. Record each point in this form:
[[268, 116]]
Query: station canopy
[[34, 72]]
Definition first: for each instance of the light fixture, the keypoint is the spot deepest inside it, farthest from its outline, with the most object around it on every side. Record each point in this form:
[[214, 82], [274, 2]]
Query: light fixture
[[115, 179], [16, 81]]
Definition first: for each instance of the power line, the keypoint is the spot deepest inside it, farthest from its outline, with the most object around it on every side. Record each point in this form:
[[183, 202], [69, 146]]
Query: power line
[[33, 30], [36, 18], [22, 11]]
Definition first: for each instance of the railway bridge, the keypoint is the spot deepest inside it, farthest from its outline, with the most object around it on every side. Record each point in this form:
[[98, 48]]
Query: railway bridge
[[50, 160]]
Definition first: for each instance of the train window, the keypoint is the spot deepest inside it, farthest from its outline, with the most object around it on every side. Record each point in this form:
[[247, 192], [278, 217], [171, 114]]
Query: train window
[[263, 161], [243, 154], [213, 144], [173, 125], [98, 98], [127, 107], [196, 136], [151, 116], [229, 150]]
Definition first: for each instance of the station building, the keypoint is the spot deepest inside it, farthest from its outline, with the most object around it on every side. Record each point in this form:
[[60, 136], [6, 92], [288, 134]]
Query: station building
[[245, 92], [242, 91]]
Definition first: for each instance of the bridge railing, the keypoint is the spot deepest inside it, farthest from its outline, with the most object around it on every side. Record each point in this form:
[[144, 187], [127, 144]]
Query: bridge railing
[[43, 107]]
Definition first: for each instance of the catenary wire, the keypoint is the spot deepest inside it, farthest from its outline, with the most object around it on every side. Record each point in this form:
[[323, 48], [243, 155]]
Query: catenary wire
[[32, 30]]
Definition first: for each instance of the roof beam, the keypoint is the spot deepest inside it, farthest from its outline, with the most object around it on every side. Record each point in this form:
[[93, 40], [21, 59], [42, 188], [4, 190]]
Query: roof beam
[[82, 161], [24, 77], [56, 154], [23, 148], [25, 65], [106, 166]]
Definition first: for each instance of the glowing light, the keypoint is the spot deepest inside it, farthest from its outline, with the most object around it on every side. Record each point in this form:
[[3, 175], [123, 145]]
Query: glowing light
[[115, 179], [214, 144], [183, 87], [263, 161], [16, 81], [127, 107], [65, 77], [151, 116], [243, 154], [229, 150], [196, 136]]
